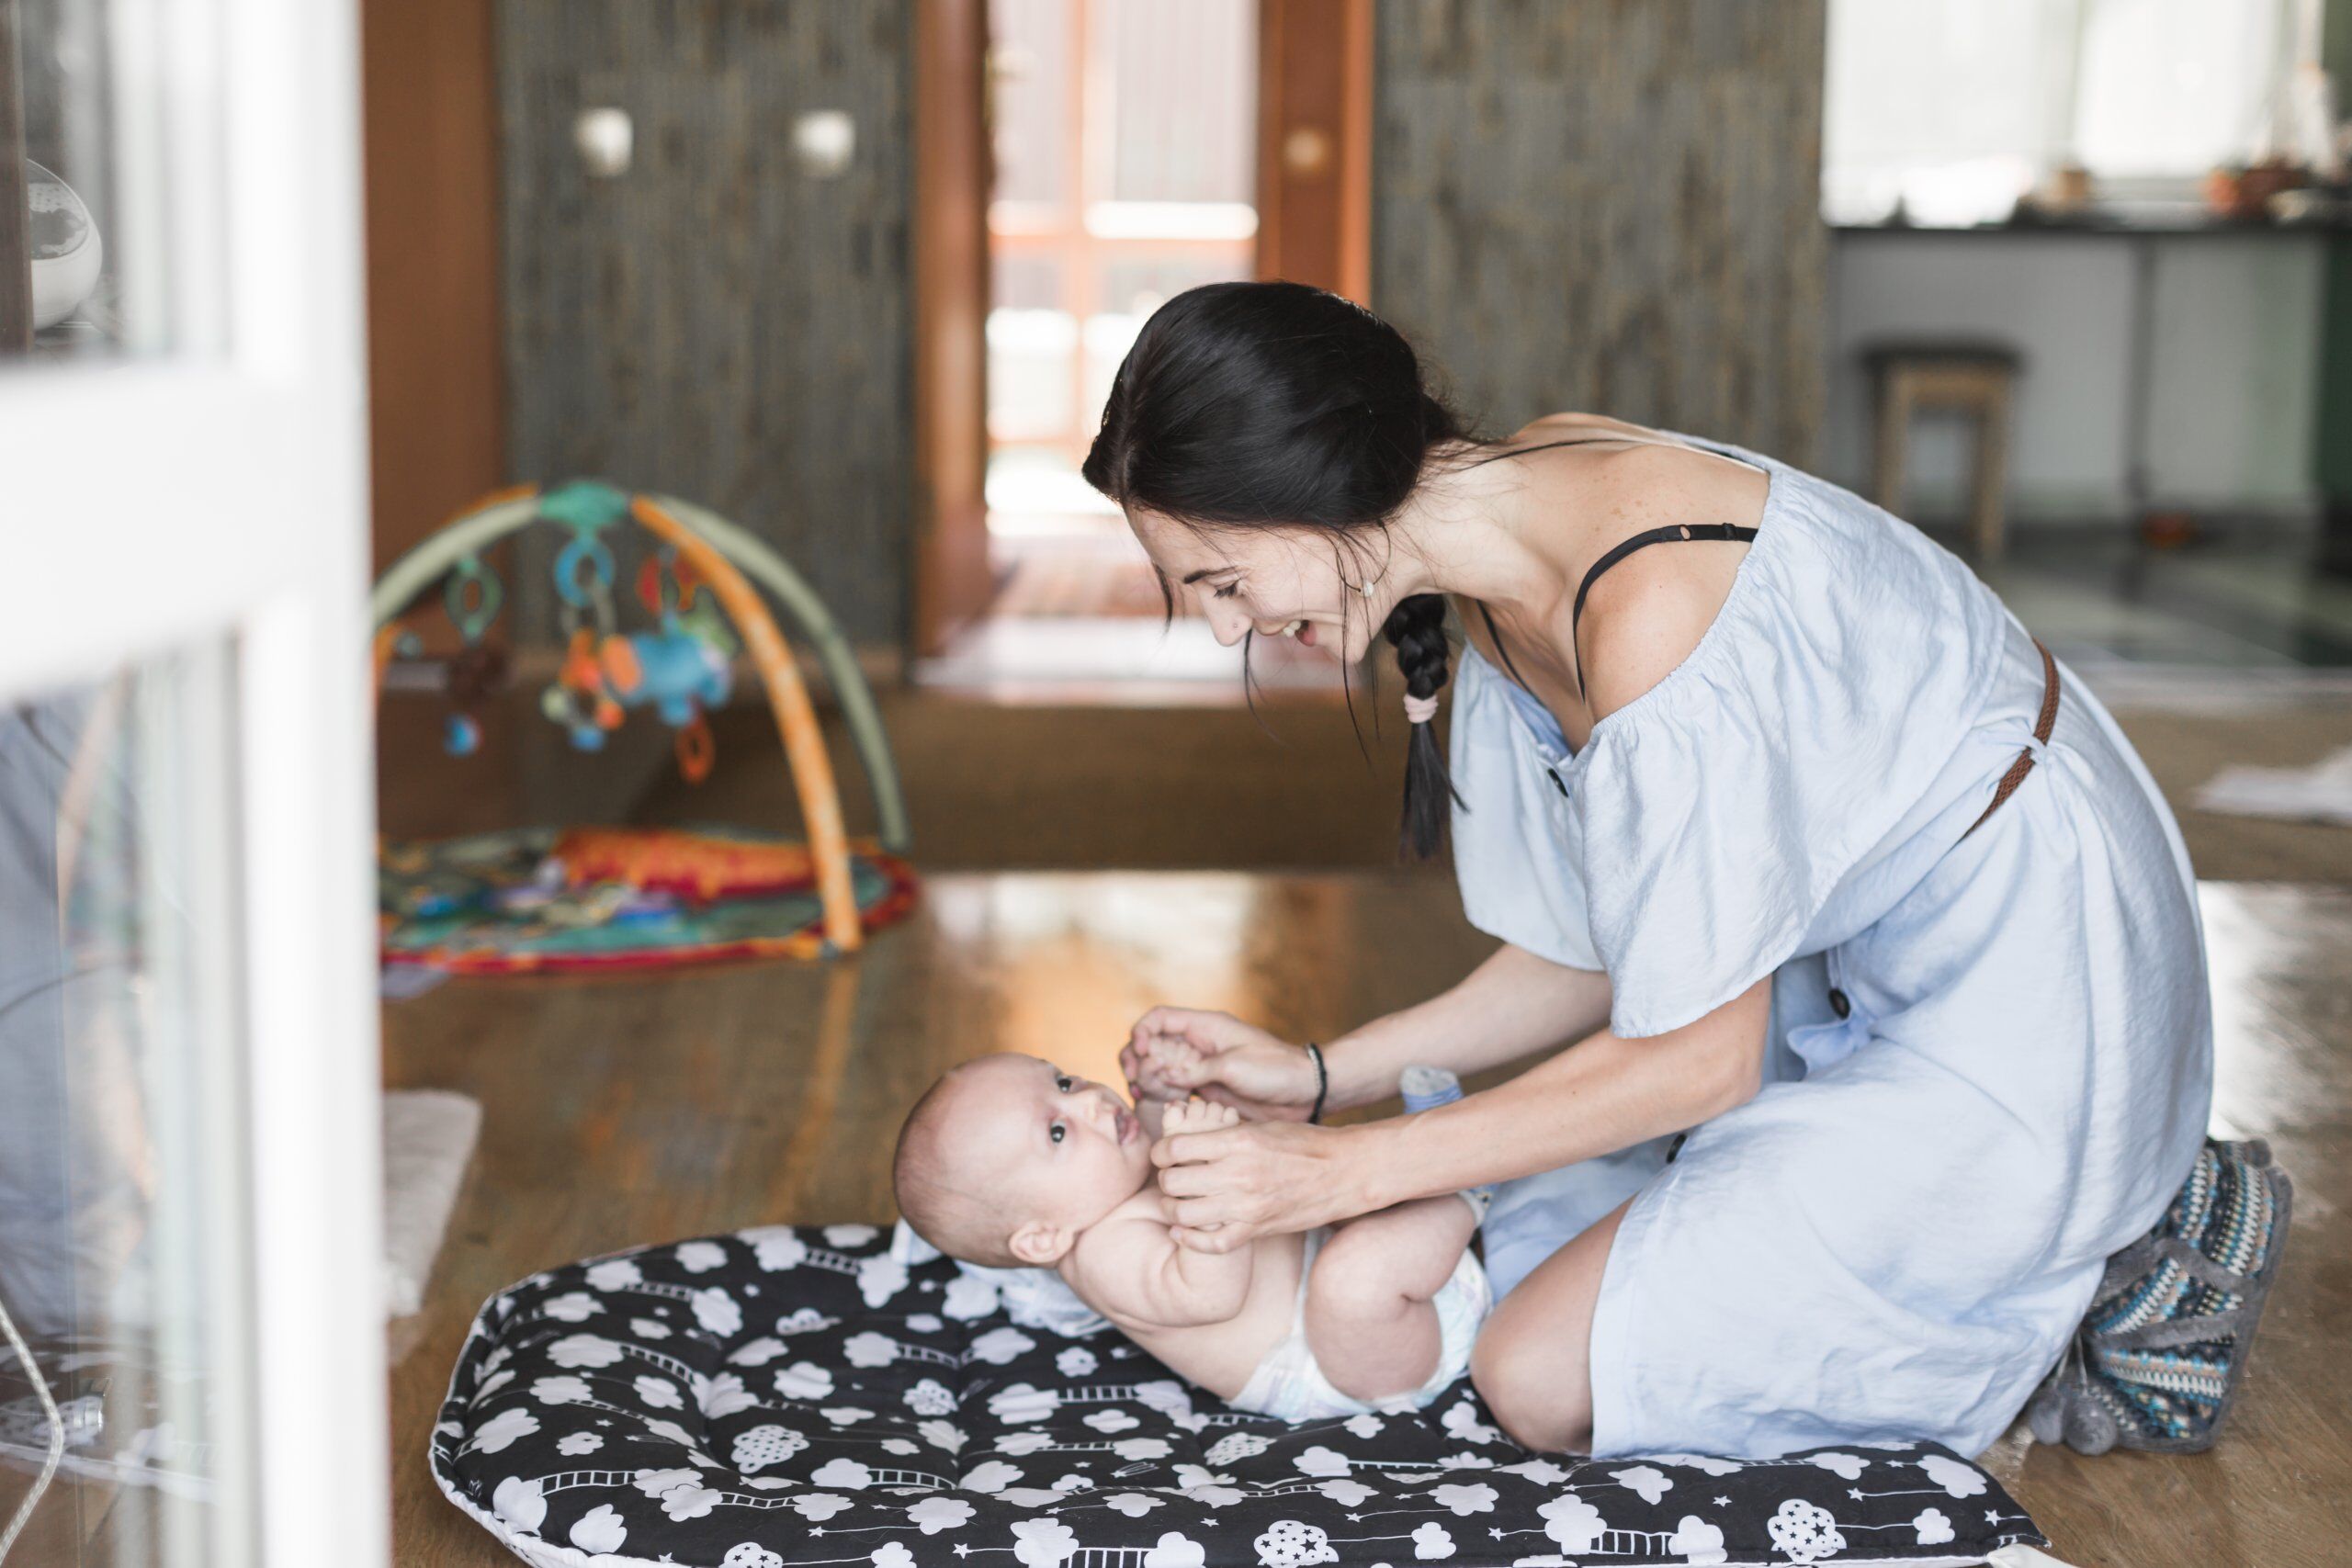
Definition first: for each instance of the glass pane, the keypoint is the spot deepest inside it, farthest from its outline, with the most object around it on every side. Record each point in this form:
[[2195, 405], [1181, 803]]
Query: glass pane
[[1947, 110], [1033, 369], [124, 1381], [1033, 347], [2177, 86], [1030, 99], [1026, 282], [1138, 282], [1182, 78], [99, 202], [1132, 287]]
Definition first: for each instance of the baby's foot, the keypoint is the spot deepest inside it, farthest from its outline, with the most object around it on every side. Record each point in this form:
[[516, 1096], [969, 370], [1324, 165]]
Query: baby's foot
[[1198, 1116]]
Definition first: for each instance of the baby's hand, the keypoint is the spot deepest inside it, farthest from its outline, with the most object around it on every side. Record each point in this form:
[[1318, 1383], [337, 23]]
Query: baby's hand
[[1177, 1061], [1198, 1116]]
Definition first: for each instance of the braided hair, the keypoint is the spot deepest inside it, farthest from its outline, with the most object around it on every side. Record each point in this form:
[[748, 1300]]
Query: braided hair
[[1281, 405]]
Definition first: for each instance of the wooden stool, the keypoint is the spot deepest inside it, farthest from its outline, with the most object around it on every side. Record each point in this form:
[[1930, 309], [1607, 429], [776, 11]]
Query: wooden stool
[[1974, 377]]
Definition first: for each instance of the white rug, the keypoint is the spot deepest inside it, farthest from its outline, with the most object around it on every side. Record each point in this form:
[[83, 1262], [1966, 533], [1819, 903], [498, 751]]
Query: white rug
[[428, 1140], [2320, 793], [2226, 690]]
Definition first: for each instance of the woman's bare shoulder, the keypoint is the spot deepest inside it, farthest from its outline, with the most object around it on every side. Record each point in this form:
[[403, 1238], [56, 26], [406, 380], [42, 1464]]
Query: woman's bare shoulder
[[1646, 614], [1639, 629], [1554, 426]]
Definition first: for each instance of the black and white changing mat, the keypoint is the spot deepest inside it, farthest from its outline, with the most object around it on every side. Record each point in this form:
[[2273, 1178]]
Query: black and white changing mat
[[801, 1398]]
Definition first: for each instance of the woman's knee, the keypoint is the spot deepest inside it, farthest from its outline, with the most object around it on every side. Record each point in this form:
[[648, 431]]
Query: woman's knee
[[1540, 1397]]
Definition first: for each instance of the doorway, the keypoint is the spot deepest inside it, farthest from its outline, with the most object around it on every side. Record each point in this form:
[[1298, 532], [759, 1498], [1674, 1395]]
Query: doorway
[[1141, 147]]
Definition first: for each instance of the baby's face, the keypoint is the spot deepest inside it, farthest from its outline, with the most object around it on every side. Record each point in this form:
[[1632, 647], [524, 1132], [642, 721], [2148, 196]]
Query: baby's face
[[1059, 1147]]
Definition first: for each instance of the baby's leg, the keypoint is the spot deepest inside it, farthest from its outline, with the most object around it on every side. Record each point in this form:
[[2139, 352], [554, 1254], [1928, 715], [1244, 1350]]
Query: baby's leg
[[1369, 1320]]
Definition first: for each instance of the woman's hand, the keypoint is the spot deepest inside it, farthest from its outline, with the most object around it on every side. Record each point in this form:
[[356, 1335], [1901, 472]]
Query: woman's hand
[[1175, 1052], [1231, 1186]]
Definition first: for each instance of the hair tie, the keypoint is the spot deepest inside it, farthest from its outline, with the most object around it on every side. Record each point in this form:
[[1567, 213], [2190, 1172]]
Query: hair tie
[[1421, 710]]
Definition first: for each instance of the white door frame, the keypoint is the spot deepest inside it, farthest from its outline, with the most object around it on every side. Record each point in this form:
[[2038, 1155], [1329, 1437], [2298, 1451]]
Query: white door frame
[[216, 492]]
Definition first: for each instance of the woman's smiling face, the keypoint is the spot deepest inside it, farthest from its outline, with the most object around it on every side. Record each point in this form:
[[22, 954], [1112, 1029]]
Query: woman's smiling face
[[1275, 581]]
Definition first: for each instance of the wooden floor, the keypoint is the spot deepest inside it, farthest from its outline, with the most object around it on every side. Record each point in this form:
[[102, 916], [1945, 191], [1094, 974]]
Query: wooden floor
[[626, 1111]]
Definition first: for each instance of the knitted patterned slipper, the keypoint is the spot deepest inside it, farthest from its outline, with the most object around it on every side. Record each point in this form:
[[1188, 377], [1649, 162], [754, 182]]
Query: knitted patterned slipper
[[2156, 1364]]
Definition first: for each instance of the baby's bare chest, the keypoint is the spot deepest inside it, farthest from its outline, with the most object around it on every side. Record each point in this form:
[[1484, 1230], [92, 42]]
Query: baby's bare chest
[[1221, 1356]]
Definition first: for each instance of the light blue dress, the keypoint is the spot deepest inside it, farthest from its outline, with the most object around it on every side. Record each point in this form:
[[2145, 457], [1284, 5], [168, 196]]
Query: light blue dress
[[1896, 1238]]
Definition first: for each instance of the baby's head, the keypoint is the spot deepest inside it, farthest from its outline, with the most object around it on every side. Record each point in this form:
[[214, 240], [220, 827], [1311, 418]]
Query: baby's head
[[1007, 1160]]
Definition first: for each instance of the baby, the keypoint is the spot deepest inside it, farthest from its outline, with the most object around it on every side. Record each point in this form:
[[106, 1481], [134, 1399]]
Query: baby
[[1010, 1161]]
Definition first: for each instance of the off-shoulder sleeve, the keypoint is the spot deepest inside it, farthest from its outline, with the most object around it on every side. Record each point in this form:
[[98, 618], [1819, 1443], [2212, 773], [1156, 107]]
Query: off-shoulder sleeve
[[1708, 843], [1518, 884]]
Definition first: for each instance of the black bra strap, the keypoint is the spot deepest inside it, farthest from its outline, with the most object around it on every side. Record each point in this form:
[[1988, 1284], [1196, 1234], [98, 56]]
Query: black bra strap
[[1496, 634], [1717, 531], [1720, 533]]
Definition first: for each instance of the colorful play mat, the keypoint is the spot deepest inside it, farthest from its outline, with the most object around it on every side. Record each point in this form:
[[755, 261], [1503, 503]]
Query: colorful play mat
[[581, 901], [560, 900]]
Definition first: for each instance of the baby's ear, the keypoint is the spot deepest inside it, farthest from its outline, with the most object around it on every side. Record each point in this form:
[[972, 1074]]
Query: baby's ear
[[1039, 1244]]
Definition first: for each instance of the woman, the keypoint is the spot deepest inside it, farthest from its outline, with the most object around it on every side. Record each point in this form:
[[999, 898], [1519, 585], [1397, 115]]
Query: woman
[[1875, 946]]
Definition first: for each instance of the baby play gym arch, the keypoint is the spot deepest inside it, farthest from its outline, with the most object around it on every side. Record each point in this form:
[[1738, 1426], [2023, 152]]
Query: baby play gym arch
[[697, 586]]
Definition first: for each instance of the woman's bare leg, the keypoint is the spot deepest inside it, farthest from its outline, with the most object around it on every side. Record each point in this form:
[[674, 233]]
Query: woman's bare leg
[[1532, 1364], [1369, 1320]]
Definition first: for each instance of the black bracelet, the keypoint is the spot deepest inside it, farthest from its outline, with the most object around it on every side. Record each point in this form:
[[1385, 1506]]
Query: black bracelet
[[1322, 1083]]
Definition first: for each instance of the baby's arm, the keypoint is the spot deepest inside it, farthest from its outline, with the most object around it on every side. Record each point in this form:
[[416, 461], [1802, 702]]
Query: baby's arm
[[1153, 1114], [1133, 1269]]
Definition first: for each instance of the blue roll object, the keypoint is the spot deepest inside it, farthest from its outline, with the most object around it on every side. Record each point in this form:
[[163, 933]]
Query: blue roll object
[[1425, 1088]]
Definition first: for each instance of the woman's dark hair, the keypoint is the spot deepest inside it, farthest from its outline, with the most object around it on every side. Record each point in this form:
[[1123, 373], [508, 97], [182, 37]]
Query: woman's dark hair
[[1250, 404]]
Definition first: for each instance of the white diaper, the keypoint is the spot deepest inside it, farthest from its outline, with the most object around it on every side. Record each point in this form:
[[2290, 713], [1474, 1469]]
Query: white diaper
[[1289, 1386]]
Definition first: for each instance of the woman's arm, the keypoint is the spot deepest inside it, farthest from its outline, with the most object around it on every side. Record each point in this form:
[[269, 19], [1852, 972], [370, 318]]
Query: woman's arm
[[1602, 1095], [1605, 1094], [1510, 1007]]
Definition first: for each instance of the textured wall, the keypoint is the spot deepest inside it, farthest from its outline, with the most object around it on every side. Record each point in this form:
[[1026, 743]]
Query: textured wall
[[1609, 206], [716, 322]]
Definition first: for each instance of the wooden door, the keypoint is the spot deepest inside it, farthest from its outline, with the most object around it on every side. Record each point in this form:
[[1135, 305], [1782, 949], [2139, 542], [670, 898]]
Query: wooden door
[[1315, 143], [953, 175], [16, 214], [436, 391]]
